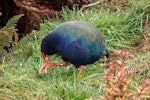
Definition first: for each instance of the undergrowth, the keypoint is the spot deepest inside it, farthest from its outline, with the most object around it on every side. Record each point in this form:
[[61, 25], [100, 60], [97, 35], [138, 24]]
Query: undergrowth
[[6, 34], [119, 82]]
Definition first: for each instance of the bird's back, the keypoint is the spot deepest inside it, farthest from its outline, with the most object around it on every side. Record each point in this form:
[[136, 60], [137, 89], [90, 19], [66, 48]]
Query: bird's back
[[79, 42], [77, 29]]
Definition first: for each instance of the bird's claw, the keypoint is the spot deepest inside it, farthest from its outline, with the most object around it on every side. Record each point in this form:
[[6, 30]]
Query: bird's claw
[[44, 68], [80, 75]]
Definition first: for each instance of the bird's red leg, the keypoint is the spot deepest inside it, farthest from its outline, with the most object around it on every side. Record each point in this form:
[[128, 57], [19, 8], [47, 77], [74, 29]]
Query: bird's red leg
[[49, 64], [81, 68]]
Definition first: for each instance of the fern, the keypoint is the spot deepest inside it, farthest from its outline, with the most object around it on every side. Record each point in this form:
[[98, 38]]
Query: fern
[[12, 22], [23, 49], [17, 53], [6, 33], [25, 45], [28, 38]]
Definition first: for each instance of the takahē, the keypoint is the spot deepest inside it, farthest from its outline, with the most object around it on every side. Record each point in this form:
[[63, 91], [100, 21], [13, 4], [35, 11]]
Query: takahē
[[77, 42]]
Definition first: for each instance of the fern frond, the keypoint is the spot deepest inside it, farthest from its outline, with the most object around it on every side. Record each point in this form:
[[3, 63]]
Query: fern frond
[[12, 21], [6, 34], [28, 38], [17, 54], [23, 49]]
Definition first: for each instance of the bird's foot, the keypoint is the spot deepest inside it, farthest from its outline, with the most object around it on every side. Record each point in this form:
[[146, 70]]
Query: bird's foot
[[80, 75], [65, 63], [81, 68], [44, 68]]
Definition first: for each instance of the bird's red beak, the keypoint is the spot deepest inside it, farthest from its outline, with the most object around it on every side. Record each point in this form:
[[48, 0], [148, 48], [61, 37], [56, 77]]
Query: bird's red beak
[[44, 56]]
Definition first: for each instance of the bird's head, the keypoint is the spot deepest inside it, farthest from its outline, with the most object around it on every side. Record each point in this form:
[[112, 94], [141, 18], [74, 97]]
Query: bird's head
[[46, 51], [47, 47]]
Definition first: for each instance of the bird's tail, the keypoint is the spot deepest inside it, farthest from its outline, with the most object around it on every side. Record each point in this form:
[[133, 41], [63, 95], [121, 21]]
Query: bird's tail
[[106, 53]]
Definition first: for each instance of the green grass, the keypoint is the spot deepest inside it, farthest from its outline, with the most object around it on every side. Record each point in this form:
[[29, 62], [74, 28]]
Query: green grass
[[20, 79]]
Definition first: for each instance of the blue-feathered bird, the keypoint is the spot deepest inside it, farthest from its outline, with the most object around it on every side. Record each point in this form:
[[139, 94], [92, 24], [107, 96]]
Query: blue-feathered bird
[[77, 42]]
